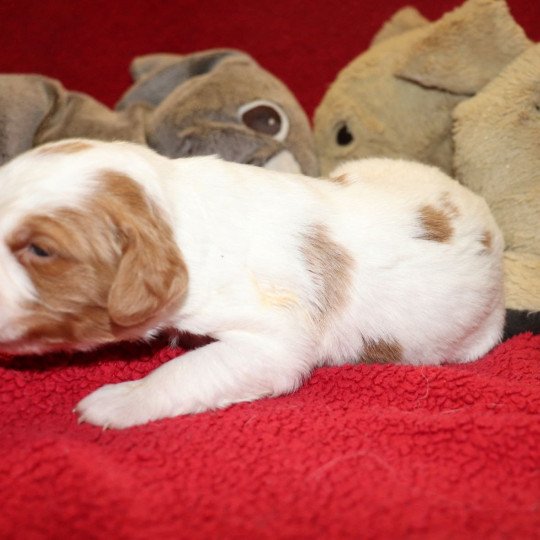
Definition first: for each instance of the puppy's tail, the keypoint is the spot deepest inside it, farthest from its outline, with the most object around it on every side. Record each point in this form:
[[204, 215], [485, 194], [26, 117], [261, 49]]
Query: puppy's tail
[[519, 321]]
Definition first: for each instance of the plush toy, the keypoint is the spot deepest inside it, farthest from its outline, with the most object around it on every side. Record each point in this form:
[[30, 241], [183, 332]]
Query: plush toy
[[396, 99], [36, 109], [462, 93], [212, 102], [221, 102], [497, 154]]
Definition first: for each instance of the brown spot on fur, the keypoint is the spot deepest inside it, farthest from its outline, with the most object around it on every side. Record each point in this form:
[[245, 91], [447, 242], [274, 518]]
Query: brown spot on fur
[[341, 179], [487, 240], [68, 147], [110, 268], [436, 224], [382, 352], [330, 267]]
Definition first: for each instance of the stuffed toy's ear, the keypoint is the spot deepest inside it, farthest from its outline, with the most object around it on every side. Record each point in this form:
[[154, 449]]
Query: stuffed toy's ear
[[407, 18], [25, 102], [157, 75], [79, 115], [465, 49], [144, 65]]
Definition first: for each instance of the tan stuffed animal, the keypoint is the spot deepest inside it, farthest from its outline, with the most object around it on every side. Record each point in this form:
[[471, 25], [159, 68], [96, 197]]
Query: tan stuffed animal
[[396, 99], [497, 154], [462, 93], [211, 102]]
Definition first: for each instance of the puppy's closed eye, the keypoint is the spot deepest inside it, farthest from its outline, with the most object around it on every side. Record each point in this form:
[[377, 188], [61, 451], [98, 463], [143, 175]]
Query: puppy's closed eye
[[39, 252], [34, 252]]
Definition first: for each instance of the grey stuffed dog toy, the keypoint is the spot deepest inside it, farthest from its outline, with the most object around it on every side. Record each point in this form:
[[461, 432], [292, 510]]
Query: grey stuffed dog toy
[[221, 102], [36, 109], [211, 102]]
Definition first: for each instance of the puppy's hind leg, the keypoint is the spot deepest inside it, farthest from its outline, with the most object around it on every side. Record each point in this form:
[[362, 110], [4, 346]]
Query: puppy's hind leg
[[483, 339]]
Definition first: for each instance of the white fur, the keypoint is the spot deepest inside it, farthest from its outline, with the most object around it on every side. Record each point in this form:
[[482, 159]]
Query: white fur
[[240, 230]]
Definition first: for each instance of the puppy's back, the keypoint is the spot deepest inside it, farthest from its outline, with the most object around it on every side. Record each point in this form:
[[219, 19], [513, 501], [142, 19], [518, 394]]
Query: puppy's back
[[428, 260]]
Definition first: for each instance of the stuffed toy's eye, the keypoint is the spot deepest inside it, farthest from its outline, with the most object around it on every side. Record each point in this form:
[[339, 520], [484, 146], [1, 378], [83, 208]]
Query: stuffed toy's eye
[[265, 117], [343, 136]]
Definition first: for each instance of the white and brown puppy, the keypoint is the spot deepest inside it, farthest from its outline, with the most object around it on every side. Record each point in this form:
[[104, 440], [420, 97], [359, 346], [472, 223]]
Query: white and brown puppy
[[100, 242]]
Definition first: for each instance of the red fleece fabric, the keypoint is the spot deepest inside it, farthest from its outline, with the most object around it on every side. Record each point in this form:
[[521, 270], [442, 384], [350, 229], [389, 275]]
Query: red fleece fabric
[[358, 452], [375, 451]]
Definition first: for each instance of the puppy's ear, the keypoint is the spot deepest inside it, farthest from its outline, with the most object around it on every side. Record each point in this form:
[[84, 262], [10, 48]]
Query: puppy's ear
[[152, 276]]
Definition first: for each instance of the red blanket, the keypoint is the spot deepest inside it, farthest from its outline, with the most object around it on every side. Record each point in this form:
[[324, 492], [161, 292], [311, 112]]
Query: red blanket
[[359, 452]]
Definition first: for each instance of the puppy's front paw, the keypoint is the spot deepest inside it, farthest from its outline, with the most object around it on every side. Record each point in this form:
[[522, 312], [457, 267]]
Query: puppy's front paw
[[119, 405]]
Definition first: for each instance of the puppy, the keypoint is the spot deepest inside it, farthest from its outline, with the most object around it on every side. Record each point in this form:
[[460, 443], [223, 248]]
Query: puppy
[[392, 261]]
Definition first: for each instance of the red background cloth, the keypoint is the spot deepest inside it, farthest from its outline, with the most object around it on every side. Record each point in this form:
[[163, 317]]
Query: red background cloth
[[358, 452], [88, 44]]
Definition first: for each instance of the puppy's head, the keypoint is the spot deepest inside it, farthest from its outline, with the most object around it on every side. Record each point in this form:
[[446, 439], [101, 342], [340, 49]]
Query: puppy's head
[[86, 256]]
